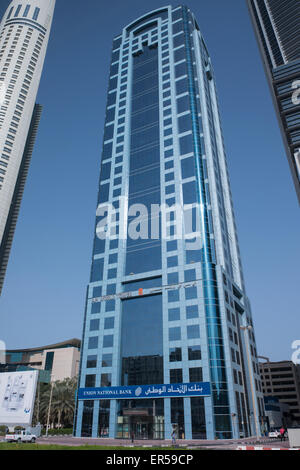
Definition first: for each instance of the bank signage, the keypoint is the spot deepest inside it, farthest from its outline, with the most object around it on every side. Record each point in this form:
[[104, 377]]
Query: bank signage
[[194, 389]]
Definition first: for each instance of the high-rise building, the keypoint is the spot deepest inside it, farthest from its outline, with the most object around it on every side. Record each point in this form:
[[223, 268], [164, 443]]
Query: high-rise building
[[24, 35], [276, 24], [168, 338]]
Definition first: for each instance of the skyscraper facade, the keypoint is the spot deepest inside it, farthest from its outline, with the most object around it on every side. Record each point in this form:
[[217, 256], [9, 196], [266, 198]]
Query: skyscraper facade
[[24, 35], [276, 24], [168, 341]]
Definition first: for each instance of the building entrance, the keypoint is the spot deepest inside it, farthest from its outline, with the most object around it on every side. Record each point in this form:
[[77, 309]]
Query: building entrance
[[142, 423], [141, 428]]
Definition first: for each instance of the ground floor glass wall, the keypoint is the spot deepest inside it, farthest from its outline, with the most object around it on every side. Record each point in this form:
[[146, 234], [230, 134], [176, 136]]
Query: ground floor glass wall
[[141, 419], [198, 418]]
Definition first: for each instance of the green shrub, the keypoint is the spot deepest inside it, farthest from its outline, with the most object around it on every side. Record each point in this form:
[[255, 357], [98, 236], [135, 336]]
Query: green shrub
[[18, 428], [3, 430], [58, 432]]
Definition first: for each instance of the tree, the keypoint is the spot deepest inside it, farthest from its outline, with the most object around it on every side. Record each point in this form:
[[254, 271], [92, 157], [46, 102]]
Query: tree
[[62, 403]]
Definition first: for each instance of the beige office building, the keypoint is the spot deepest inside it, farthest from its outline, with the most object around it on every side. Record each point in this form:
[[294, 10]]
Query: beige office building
[[282, 380], [56, 362]]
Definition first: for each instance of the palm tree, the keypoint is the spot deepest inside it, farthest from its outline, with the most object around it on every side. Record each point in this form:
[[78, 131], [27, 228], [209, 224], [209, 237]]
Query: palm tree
[[62, 403]]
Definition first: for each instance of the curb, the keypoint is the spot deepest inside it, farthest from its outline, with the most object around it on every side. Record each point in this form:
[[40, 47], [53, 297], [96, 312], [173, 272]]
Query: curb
[[264, 448]]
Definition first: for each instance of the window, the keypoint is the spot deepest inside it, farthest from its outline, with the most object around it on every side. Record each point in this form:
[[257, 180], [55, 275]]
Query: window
[[179, 54], [49, 360], [107, 360], [189, 193], [175, 355], [113, 244], [94, 325], [172, 261], [105, 380], [109, 323], [190, 293], [117, 42], [105, 171], [108, 341], [181, 86], [110, 305], [186, 144], [169, 153], [111, 99], [180, 70], [91, 362], [177, 27], [111, 274], [117, 181], [193, 331], [173, 295], [36, 14], [194, 353], [115, 56], [113, 258], [145, 28], [169, 165], [10, 12], [192, 312], [111, 289], [18, 10], [109, 132], [178, 40], [235, 378], [184, 123], [174, 314], [175, 376], [189, 275], [183, 104], [195, 374], [170, 189], [90, 380], [26, 11], [172, 246], [97, 270], [177, 14], [232, 355], [93, 342], [174, 334], [110, 114]]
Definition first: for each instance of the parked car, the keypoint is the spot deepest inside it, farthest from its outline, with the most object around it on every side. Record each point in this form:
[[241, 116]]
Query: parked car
[[274, 434], [22, 436]]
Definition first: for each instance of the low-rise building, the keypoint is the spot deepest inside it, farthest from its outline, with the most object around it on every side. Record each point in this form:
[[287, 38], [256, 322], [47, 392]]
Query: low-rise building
[[277, 413], [55, 362]]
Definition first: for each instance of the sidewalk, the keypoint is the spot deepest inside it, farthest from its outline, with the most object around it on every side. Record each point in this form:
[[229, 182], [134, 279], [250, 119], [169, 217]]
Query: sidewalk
[[183, 444]]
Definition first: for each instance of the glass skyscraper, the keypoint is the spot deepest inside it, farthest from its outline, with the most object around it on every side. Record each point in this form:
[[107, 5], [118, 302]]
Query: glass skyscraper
[[276, 24], [24, 35], [168, 341]]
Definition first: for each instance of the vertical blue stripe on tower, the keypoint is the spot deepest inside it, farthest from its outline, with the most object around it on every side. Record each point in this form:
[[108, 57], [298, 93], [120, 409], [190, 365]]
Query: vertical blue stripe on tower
[[211, 297]]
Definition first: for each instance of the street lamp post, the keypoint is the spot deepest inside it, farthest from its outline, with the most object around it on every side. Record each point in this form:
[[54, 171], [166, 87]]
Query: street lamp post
[[246, 330], [49, 408]]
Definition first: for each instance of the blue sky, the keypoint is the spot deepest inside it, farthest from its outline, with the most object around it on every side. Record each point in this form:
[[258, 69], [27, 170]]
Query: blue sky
[[44, 293]]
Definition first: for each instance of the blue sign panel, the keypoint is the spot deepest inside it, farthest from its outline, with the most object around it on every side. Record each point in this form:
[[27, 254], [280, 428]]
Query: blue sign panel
[[194, 389]]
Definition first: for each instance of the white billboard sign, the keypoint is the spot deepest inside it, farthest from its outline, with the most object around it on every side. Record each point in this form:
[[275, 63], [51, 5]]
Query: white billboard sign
[[17, 395]]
